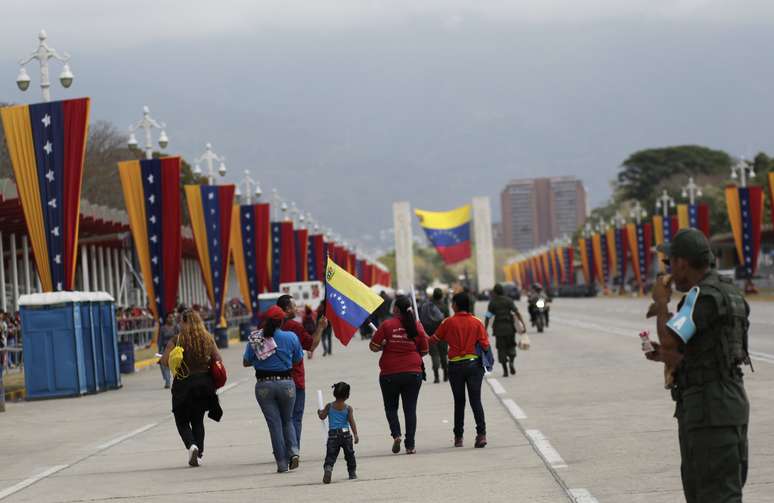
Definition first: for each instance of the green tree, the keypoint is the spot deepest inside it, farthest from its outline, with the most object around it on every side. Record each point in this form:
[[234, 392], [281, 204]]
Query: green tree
[[644, 171]]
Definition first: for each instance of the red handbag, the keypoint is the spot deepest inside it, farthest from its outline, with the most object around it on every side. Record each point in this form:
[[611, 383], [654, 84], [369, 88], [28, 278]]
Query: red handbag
[[218, 373]]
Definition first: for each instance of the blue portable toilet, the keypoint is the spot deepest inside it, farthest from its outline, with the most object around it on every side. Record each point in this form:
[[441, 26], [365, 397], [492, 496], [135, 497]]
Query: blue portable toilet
[[52, 330], [106, 340], [90, 334]]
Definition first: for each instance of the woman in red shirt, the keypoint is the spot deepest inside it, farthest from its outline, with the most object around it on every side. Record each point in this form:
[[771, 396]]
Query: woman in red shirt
[[403, 343]]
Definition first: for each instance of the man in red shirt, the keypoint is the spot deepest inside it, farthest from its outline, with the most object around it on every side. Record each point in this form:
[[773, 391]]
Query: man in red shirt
[[308, 343], [463, 332]]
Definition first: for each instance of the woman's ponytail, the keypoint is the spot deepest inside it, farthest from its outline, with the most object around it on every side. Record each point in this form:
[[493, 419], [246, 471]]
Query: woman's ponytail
[[409, 319]]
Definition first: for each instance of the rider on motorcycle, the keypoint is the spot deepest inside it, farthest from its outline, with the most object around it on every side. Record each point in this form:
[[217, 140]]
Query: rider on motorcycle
[[536, 293]]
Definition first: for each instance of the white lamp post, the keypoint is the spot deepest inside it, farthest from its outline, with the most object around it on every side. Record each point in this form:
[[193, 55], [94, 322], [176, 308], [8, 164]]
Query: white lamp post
[[147, 123], [210, 158], [742, 170], [43, 53], [691, 191], [638, 213], [248, 182], [664, 202]]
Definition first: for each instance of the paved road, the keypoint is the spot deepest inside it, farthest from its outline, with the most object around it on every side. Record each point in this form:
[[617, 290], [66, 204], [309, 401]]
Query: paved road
[[585, 415]]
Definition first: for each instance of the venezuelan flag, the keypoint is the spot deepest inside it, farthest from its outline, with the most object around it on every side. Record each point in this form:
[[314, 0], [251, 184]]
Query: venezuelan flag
[[152, 195], [210, 207], [349, 301], [47, 142], [449, 231]]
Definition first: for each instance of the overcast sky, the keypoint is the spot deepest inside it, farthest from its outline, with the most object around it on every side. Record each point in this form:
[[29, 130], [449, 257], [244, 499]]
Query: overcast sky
[[348, 105]]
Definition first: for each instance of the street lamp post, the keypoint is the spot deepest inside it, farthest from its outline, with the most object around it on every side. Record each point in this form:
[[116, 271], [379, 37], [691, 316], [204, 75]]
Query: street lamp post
[[210, 158], [249, 183], [691, 191], [43, 53], [663, 203], [742, 170], [147, 123], [638, 213]]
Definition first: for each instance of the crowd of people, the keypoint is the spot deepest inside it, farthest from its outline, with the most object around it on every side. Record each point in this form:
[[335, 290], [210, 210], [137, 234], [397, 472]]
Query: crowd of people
[[10, 340], [399, 331]]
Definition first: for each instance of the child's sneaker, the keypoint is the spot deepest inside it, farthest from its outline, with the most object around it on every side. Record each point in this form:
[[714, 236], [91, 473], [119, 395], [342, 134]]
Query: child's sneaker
[[327, 476], [353, 476]]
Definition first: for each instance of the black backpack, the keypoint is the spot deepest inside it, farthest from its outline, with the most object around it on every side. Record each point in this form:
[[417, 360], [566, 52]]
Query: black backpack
[[430, 317]]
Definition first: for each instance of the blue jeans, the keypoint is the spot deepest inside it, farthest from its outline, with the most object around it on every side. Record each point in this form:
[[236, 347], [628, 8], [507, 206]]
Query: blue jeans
[[165, 373], [276, 399], [298, 413]]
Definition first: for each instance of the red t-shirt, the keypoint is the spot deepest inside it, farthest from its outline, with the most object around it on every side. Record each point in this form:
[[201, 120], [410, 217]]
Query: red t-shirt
[[462, 331], [306, 341], [400, 354]]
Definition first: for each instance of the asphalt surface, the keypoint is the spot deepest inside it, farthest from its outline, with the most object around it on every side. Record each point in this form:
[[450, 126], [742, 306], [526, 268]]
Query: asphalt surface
[[585, 419]]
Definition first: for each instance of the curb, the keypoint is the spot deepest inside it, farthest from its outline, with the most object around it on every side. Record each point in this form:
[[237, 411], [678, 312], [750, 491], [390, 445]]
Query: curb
[[149, 362]]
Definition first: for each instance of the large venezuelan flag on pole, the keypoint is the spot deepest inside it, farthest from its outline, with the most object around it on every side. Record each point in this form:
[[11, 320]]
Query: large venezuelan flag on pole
[[745, 213], [210, 207], [449, 231], [349, 301], [152, 195], [47, 143]]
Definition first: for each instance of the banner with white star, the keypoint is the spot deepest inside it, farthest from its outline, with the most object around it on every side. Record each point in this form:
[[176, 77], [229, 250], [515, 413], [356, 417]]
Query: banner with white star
[[745, 214], [250, 247], [47, 142], [210, 207], [152, 194], [640, 239]]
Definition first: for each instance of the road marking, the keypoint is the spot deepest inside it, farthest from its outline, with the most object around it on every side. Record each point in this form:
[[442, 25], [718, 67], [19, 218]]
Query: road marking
[[754, 355], [28, 482], [548, 452], [496, 386], [582, 496], [230, 386], [47, 473], [514, 409], [127, 436]]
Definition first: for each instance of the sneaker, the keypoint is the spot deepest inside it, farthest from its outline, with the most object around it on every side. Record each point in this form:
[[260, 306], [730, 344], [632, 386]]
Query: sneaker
[[327, 476], [353, 476], [411, 451], [396, 445], [457, 441], [167, 385], [193, 456], [480, 441], [294, 460]]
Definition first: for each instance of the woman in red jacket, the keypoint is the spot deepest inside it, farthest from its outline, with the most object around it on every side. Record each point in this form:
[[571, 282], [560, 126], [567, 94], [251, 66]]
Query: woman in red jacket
[[403, 343]]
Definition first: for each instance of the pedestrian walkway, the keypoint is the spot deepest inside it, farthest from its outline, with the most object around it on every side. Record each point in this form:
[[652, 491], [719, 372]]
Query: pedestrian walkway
[[123, 445]]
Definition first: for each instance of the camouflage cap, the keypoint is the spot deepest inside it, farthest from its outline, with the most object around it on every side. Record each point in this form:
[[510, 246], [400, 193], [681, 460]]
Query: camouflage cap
[[689, 244]]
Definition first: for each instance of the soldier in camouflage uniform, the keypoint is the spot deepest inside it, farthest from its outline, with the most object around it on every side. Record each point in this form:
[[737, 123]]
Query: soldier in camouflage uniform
[[710, 335]]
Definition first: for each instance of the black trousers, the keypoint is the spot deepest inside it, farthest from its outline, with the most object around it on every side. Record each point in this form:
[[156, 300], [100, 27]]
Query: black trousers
[[467, 374], [338, 440], [190, 426], [402, 387], [714, 463]]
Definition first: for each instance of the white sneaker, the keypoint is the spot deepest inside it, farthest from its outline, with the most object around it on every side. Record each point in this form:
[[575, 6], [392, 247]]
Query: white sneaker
[[193, 456]]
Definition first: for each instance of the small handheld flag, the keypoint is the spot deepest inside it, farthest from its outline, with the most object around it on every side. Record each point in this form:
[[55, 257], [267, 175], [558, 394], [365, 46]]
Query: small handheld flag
[[349, 301]]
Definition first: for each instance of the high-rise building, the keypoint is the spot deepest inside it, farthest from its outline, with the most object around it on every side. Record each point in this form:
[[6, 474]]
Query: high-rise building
[[538, 210]]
